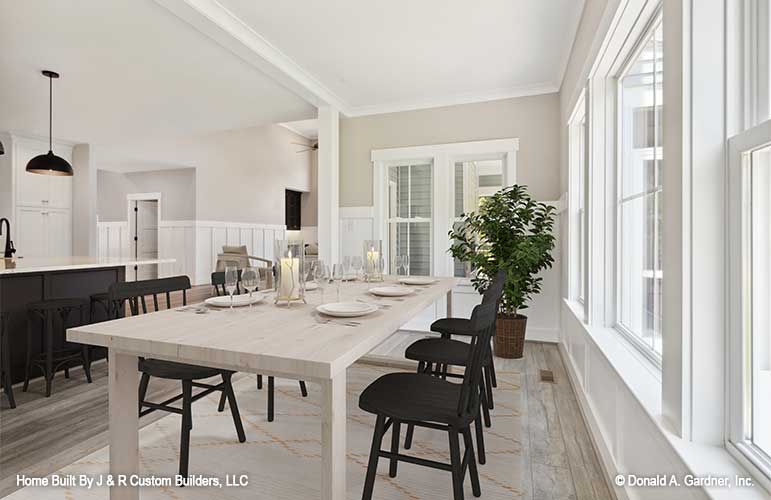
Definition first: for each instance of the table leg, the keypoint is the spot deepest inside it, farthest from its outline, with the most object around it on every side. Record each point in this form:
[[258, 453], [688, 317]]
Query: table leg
[[333, 434], [124, 422], [449, 303]]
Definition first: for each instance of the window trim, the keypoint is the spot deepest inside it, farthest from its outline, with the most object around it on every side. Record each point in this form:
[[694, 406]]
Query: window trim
[[614, 86], [578, 250], [442, 158], [737, 442]]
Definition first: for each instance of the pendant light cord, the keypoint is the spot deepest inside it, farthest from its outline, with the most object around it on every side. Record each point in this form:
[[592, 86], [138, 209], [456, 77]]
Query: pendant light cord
[[50, 112]]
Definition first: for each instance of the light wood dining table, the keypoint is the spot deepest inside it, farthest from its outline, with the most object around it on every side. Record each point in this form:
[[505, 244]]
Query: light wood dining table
[[293, 342]]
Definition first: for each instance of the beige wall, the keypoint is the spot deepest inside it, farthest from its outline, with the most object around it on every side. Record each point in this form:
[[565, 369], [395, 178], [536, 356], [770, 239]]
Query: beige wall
[[241, 174], [177, 188], [533, 120]]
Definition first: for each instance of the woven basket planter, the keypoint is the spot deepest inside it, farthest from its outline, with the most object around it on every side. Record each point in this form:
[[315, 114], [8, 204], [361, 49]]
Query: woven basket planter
[[510, 336]]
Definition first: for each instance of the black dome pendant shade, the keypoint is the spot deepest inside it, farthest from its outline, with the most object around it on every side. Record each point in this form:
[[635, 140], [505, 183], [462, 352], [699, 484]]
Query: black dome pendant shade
[[49, 163]]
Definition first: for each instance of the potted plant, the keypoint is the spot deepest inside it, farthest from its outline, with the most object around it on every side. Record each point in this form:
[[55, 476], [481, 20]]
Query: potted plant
[[509, 231]]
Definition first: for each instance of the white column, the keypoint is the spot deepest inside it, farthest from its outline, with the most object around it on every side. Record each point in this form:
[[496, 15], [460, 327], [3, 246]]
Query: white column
[[83, 201], [329, 184]]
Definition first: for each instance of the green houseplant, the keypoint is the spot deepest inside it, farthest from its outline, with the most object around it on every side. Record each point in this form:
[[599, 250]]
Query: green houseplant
[[511, 231]]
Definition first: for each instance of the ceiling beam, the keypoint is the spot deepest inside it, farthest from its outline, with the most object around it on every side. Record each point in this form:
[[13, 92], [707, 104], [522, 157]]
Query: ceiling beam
[[218, 23]]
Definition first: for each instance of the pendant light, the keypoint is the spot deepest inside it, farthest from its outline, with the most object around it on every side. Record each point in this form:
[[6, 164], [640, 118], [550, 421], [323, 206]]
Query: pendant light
[[49, 163]]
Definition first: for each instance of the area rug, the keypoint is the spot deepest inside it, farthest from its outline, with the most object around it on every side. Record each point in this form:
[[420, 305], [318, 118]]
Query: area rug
[[281, 459]]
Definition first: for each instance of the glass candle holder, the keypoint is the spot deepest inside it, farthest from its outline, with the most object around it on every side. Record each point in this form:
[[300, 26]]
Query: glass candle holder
[[289, 262], [373, 260]]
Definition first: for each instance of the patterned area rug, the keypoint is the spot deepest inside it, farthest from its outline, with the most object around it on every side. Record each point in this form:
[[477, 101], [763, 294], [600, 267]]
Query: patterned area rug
[[281, 459]]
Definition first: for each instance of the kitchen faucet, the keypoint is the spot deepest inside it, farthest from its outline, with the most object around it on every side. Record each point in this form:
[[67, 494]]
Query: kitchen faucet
[[9, 249]]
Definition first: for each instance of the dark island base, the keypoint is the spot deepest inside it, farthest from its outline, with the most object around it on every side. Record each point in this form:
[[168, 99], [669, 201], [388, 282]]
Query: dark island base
[[18, 290]]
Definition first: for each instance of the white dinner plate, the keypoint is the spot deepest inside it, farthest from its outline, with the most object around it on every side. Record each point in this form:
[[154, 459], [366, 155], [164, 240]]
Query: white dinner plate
[[347, 309], [238, 300], [417, 281], [390, 291], [310, 285]]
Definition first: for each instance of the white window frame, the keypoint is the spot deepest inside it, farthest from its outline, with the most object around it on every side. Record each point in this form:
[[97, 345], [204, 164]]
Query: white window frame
[[647, 351], [577, 171], [738, 442], [442, 157]]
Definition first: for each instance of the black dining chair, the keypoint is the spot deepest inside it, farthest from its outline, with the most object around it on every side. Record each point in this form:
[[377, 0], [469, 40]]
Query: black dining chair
[[436, 355], [135, 294], [423, 400], [218, 282]]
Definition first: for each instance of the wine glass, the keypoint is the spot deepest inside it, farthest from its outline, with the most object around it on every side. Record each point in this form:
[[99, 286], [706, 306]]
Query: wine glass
[[397, 264], [249, 281], [357, 263], [231, 282], [406, 264], [321, 276], [338, 273], [346, 267]]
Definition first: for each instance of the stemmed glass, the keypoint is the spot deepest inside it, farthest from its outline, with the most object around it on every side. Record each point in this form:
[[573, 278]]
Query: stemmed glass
[[357, 263], [337, 275], [346, 267], [321, 276], [231, 282], [397, 263], [406, 264], [249, 281]]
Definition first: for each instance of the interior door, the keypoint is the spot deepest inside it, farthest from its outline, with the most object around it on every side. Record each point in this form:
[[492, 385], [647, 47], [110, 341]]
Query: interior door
[[146, 237]]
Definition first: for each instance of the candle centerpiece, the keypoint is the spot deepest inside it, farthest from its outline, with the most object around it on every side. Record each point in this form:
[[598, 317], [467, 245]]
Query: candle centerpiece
[[373, 260], [288, 264]]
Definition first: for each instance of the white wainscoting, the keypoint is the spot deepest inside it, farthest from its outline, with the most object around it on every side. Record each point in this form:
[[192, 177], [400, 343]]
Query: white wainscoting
[[193, 244], [211, 236]]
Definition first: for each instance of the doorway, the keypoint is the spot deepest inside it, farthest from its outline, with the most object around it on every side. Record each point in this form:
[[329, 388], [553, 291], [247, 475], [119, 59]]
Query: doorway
[[144, 222]]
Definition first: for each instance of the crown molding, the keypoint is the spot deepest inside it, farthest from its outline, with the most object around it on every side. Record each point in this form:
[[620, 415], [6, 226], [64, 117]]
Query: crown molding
[[218, 23], [494, 95]]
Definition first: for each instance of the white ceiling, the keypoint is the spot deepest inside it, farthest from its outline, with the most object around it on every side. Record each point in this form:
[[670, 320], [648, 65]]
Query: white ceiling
[[403, 54], [131, 71]]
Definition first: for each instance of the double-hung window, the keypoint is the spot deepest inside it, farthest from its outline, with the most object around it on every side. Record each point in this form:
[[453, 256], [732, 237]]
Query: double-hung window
[[409, 216], [577, 143], [639, 194]]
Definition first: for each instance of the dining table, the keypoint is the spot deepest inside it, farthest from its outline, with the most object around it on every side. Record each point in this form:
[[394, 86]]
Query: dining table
[[291, 341]]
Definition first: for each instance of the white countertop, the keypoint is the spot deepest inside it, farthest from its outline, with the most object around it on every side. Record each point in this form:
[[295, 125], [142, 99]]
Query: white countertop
[[47, 264]]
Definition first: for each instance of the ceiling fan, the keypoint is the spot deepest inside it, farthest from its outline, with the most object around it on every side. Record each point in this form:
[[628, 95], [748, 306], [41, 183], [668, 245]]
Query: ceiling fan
[[308, 147]]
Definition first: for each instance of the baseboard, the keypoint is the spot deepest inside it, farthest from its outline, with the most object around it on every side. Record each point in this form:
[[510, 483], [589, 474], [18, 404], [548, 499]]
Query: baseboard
[[603, 452]]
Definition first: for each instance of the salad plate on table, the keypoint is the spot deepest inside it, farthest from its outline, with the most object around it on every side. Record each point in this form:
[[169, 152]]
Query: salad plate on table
[[347, 309], [391, 291], [417, 280], [238, 300]]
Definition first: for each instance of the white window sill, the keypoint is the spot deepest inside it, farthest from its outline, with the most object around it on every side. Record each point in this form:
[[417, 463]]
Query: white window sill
[[643, 380]]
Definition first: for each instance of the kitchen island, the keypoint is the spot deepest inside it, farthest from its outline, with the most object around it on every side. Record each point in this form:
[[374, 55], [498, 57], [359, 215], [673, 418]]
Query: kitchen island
[[27, 280]]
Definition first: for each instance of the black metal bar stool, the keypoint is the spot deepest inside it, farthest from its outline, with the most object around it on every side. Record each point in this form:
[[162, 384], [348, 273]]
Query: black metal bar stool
[[5, 362], [52, 359]]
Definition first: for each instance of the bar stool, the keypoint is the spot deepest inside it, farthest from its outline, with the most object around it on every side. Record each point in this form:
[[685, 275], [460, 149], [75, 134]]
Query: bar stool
[[51, 360], [99, 301], [5, 362]]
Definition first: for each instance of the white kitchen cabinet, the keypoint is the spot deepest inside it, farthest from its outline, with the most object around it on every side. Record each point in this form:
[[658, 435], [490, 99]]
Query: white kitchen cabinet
[[43, 232], [42, 203]]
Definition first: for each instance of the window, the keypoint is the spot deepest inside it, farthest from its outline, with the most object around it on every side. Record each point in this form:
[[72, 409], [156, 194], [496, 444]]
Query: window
[[639, 193], [577, 144], [474, 181], [409, 216], [750, 309]]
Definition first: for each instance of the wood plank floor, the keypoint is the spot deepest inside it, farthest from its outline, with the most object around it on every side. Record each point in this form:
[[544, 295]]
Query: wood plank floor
[[44, 434]]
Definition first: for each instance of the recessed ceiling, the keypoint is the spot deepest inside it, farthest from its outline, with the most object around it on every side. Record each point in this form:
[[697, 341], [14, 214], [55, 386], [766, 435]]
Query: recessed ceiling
[[402, 54], [130, 71]]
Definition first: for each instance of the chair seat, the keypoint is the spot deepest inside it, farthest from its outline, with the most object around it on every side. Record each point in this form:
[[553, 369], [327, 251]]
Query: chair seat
[[452, 326], [414, 397], [433, 350], [176, 371], [53, 304]]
